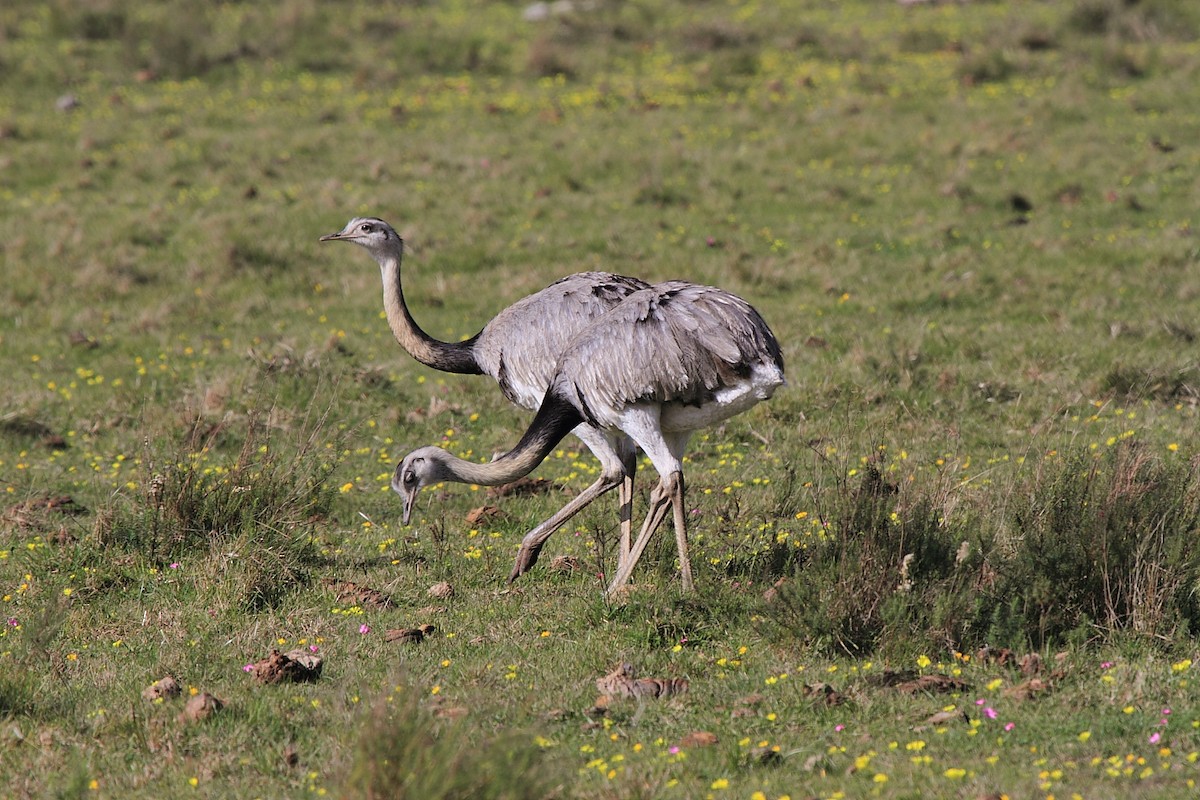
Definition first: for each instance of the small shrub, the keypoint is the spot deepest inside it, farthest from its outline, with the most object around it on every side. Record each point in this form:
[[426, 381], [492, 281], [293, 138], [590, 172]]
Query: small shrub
[[405, 752], [1136, 21], [1170, 386], [17, 692], [255, 515], [890, 570], [1102, 545], [987, 65]]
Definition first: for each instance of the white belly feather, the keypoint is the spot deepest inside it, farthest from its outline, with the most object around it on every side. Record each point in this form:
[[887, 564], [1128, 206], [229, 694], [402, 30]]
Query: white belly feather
[[729, 401]]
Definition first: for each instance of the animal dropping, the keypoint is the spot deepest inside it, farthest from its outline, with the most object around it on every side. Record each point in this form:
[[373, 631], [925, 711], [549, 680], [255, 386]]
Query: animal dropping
[[162, 689], [295, 666], [200, 707]]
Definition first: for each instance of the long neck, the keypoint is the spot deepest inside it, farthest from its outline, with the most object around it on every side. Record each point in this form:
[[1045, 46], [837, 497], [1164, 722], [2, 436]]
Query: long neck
[[554, 420], [445, 356]]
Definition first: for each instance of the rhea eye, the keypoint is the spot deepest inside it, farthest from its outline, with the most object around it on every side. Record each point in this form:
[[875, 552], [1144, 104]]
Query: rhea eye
[[367, 228]]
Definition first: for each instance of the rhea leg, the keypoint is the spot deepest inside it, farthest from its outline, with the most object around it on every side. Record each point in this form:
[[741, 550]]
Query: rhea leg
[[685, 565], [531, 545], [618, 462], [660, 499], [629, 459]]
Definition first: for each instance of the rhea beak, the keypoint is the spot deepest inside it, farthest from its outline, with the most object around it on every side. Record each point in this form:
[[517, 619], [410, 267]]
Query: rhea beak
[[331, 237], [410, 499], [407, 493]]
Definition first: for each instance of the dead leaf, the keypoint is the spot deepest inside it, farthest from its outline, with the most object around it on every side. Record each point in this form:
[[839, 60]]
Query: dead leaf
[[1030, 664], [935, 683], [945, 717], [162, 689], [698, 739], [81, 339], [409, 635], [438, 406], [483, 514], [565, 564], [452, 712], [817, 763], [1028, 690], [36, 512], [622, 683], [889, 677], [357, 594], [441, 590], [200, 707], [823, 693]]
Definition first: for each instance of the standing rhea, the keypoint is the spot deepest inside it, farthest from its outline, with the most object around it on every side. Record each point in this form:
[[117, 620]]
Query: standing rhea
[[519, 349], [669, 360]]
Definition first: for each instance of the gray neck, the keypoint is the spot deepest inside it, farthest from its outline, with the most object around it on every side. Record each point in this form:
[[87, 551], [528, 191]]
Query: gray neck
[[554, 420], [445, 356]]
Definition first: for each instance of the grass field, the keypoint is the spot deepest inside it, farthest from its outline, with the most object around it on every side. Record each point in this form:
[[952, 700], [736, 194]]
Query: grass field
[[957, 556]]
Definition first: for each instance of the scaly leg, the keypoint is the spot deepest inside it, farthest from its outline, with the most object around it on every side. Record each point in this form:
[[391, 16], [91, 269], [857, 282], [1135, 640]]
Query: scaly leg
[[660, 500], [629, 460], [685, 566], [531, 545]]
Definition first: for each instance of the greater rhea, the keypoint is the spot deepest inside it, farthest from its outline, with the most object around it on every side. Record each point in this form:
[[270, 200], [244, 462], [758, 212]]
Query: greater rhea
[[519, 349], [667, 361]]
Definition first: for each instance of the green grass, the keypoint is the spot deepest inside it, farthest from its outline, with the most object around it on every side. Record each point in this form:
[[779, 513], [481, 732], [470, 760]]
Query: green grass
[[971, 226]]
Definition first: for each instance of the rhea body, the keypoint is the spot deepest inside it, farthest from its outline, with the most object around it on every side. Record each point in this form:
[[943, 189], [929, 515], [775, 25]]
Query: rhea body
[[519, 349], [667, 361]]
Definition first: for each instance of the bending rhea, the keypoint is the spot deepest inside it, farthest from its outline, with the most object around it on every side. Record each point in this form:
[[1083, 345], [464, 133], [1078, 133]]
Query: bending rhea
[[669, 360], [518, 349]]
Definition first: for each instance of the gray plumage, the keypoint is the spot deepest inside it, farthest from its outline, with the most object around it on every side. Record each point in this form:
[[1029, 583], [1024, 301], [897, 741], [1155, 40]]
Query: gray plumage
[[679, 344], [521, 345], [668, 360]]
